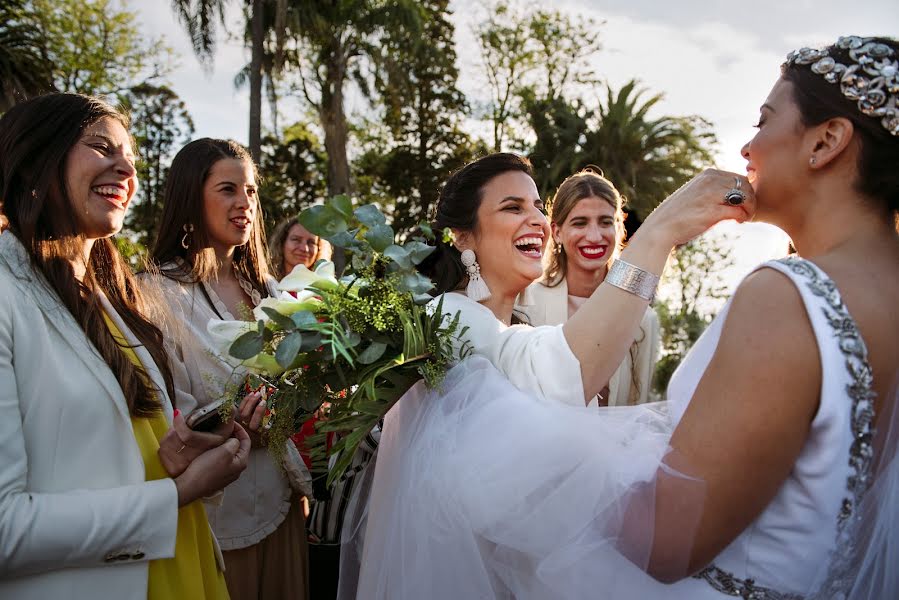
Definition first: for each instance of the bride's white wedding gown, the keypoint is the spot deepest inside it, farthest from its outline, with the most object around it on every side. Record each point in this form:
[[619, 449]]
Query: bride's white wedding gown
[[501, 484]]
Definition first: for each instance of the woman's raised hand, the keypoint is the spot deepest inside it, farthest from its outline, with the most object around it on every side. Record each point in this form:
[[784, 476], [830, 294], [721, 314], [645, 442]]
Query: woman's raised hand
[[698, 205], [214, 469], [181, 445]]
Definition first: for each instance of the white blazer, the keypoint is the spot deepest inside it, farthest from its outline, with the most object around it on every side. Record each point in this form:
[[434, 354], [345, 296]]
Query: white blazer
[[77, 518], [549, 306]]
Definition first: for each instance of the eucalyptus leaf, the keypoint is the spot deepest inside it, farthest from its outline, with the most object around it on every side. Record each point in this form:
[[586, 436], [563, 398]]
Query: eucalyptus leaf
[[399, 255], [426, 230], [303, 319], [310, 400], [352, 339], [323, 221], [283, 321], [288, 349], [311, 341], [360, 261], [380, 237], [418, 251], [246, 346], [416, 283], [374, 351], [345, 239], [370, 216], [343, 205]]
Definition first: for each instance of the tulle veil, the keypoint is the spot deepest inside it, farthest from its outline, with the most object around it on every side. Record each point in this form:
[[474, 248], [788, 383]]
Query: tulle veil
[[474, 496]]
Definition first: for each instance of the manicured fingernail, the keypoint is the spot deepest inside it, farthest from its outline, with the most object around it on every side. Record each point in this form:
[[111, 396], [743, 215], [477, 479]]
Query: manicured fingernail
[[177, 412]]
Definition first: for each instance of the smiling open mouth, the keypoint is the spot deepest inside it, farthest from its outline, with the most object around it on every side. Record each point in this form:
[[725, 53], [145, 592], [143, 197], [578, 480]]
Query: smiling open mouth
[[241, 222], [114, 194], [593, 252], [530, 246]]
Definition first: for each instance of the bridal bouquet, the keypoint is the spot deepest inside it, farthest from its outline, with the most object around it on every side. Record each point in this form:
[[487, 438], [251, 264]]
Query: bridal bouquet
[[354, 344]]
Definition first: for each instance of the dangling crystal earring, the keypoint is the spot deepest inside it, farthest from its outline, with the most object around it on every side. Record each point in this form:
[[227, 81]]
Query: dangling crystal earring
[[186, 239], [558, 248], [477, 289]]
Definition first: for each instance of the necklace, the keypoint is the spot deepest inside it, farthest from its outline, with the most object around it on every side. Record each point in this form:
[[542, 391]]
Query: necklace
[[247, 287]]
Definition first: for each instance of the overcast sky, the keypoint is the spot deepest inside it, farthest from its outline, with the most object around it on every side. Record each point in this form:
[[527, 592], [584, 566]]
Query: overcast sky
[[715, 58]]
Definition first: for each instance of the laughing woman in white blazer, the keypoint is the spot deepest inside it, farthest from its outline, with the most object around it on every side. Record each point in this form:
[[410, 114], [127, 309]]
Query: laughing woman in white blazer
[[100, 480], [587, 233]]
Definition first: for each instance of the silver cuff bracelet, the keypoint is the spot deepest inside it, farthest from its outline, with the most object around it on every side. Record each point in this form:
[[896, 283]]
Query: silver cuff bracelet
[[634, 280]]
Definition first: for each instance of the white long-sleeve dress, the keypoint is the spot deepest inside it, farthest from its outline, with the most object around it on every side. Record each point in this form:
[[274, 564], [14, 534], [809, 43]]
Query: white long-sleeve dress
[[501, 484]]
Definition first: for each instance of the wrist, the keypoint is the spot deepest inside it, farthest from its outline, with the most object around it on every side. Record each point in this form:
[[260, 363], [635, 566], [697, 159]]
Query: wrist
[[185, 496], [654, 238]]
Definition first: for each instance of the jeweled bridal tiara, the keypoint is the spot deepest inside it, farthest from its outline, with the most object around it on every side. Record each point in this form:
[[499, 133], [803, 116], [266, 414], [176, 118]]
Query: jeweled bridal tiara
[[871, 80]]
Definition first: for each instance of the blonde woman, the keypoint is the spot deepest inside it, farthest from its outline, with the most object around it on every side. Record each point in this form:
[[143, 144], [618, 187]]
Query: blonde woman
[[291, 245], [587, 225]]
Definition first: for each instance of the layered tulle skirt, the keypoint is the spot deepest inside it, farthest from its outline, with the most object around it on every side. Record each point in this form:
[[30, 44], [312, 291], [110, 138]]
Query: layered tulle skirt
[[481, 490]]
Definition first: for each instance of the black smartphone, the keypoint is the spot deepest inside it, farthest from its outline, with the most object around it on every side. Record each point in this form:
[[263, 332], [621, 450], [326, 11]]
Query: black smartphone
[[206, 418]]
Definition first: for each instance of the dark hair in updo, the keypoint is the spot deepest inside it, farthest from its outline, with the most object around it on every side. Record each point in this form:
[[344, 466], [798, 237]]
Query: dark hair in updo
[[457, 208], [820, 100]]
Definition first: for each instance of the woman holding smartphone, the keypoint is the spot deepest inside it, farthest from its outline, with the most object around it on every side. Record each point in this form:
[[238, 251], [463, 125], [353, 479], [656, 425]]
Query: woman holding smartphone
[[212, 261], [101, 480]]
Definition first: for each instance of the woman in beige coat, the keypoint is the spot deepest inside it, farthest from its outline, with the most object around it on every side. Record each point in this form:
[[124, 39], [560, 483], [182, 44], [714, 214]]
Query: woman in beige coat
[[587, 233]]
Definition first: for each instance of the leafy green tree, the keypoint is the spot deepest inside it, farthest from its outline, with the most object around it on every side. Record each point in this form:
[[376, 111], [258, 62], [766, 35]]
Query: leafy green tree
[[421, 139], [293, 173], [161, 124], [96, 48], [25, 68], [563, 47], [332, 44], [647, 158], [559, 128], [201, 17], [532, 58], [507, 56], [689, 296]]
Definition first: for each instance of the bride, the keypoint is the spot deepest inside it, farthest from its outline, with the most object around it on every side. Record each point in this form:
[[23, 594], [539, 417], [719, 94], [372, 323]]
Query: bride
[[772, 470]]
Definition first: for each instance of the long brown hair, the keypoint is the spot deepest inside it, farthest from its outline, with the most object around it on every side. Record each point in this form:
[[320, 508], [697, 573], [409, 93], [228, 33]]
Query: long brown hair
[[583, 184], [586, 183], [183, 220], [36, 138], [276, 246]]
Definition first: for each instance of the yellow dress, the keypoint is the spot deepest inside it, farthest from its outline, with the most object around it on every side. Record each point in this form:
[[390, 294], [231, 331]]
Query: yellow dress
[[193, 572]]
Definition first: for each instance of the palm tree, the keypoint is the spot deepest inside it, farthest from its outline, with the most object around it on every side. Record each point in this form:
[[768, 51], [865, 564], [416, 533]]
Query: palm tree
[[24, 67], [331, 39], [646, 158], [200, 17]]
